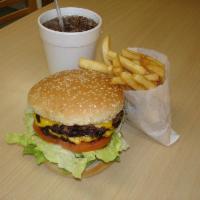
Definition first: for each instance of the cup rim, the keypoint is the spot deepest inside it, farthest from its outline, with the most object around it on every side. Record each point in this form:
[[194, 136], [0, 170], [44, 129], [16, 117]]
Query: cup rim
[[70, 33]]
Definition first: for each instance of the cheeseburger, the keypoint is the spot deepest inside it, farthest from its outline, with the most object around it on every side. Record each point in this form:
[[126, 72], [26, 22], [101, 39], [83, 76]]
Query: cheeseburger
[[73, 122]]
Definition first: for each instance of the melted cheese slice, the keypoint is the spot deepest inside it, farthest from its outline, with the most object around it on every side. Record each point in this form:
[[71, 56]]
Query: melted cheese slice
[[105, 125], [87, 138], [46, 122]]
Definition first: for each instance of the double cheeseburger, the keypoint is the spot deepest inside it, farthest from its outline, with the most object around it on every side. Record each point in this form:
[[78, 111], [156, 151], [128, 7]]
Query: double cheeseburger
[[74, 121]]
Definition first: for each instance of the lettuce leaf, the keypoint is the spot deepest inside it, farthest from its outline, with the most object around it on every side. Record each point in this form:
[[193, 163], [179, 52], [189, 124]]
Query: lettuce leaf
[[32, 150], [72, 162], [28, 144], [111, 151]]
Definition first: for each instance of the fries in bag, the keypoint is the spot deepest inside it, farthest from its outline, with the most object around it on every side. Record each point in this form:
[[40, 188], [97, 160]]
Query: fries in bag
[[149, 110]]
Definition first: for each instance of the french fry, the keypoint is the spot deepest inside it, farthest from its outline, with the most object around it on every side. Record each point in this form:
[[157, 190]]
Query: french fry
[[129, 80], [110, 68], [117, 70], [152, 77], [111, 55], [118, 80], [94, 65], [137, 62], [145, 61], [141, 80], [131, 54], [156, 69], [105, 50], [132, 67], [116, 62], [154, 61]]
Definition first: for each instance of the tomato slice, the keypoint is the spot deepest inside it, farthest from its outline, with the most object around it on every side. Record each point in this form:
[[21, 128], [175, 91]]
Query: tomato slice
[[78, 148]]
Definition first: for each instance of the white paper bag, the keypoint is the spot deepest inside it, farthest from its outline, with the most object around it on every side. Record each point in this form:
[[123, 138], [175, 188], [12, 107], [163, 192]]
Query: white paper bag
[[149, 110]]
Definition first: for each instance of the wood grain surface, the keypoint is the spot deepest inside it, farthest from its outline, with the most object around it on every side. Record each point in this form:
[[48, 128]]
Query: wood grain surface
[[148, 170]]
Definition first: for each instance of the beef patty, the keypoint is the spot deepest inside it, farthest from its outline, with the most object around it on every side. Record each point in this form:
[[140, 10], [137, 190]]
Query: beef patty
[[76, 130]]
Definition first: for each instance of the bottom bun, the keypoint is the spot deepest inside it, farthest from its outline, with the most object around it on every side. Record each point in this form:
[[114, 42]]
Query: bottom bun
[[92, 170]]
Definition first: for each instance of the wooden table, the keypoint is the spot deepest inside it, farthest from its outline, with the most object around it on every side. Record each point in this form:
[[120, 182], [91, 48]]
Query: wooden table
[[148, 170]]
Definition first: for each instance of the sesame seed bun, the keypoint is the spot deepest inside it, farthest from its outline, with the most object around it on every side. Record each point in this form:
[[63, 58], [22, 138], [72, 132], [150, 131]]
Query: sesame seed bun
[[76, 97]]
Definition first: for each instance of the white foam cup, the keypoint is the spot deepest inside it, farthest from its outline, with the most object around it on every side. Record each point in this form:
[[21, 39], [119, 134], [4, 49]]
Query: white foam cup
[[63, 49]]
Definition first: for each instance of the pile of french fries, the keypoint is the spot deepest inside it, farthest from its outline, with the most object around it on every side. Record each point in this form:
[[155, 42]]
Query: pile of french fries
[[128, 68]]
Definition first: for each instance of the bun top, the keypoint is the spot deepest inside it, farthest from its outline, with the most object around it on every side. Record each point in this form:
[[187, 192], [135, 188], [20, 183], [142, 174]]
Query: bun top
[[76, 97]]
